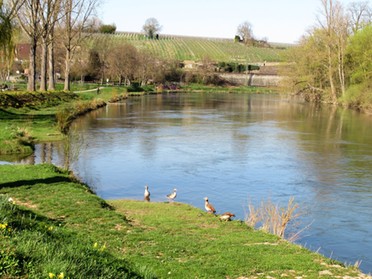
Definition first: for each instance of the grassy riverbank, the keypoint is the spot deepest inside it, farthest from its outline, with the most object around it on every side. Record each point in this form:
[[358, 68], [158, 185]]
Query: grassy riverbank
[[54, 224], [33, 117]]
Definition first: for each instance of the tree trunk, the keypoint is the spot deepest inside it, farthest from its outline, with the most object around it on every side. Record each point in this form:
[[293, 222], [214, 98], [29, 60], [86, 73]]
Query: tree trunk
[[67, 86], [341, 69], [51, 69], [330, 76], [43, 67], [31, 85]]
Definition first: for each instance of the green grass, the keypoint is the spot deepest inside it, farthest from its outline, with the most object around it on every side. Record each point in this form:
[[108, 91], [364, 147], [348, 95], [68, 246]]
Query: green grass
[[44, 116], [39, 240], [58, 225]]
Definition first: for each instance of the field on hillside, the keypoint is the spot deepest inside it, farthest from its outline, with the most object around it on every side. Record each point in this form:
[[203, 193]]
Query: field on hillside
[[196, 48]]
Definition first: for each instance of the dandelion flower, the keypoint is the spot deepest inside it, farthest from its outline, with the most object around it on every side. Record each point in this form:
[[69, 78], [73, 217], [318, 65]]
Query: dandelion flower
[[3, 226], [51, 275], [61, 275]]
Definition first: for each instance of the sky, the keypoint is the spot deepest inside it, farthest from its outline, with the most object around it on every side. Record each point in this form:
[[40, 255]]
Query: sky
[[283, 21]]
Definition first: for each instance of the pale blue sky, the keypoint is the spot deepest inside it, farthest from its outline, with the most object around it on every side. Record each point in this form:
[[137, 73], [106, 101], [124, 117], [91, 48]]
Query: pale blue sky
[[277, 20]]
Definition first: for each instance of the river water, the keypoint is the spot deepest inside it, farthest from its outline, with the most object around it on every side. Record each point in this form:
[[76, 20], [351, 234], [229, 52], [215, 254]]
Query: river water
[[237, 149]]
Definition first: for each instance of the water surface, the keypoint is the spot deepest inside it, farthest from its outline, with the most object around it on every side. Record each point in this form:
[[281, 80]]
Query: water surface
[[237, 149]]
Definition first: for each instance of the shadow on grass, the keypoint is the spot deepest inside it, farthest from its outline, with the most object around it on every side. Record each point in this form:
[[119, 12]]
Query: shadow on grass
[[18, 183], [7, 115]]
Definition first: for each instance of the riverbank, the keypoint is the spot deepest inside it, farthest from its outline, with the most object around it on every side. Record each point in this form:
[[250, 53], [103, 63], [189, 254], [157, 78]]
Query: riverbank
[[51, 223], [28, 118]]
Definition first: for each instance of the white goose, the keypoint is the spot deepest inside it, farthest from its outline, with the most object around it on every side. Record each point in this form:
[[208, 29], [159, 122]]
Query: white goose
[[146, 195], [172, 195], [208, 207]]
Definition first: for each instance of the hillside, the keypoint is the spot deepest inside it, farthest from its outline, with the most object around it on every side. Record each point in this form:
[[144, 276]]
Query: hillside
[[196, 48]]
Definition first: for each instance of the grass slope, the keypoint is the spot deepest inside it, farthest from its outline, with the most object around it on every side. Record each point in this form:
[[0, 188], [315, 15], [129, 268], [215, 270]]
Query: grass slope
[[33, 117], [57, 225], [196, 48]]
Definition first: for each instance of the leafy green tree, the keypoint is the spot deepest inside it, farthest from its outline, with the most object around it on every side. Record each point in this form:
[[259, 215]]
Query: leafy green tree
[[359, 64], [107, 28], [359, 53]]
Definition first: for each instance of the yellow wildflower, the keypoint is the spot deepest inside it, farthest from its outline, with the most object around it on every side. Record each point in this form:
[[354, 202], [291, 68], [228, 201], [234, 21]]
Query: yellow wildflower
[[3, 226], [61, 275], [95, 245], [103, 248], [51, 275]]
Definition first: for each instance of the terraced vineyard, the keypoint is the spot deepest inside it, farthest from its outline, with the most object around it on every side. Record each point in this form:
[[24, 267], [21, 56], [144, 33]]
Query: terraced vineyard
[[196, 48]]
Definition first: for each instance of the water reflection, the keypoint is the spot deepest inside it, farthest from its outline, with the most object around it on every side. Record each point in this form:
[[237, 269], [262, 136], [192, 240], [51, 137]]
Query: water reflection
[[234, 149]]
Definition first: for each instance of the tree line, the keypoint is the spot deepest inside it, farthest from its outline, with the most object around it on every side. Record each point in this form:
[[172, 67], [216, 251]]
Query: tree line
[[106, 59], [46, 24], [333, 61]]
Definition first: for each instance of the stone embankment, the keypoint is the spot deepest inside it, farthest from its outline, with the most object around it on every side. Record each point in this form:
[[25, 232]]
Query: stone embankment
[[267, 76]]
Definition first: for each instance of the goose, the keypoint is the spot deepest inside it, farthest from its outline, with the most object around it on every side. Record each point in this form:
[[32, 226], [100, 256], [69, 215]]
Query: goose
[[146, 195], [209, 207], [226, 216], [172, 195]]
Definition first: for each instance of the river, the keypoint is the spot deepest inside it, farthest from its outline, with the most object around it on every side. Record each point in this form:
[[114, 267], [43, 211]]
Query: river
[[237, 149]]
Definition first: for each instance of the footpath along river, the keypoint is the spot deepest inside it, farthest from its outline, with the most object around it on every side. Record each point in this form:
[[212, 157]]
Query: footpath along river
[[236, 149]]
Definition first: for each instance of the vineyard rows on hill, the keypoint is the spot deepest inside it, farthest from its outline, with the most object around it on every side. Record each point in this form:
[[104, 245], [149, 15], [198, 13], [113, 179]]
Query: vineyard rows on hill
[[195, 48]]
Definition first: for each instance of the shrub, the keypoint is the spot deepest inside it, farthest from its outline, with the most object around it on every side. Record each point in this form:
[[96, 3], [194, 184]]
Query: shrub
[[271, 217]]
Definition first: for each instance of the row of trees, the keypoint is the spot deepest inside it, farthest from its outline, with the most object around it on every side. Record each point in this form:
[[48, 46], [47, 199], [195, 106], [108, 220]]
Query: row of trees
[[336, 54], [104, 58], [46, 22]]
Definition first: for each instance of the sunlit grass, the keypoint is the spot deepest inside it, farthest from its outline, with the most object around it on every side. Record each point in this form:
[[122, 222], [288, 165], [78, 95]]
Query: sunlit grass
[[45, 116], [59, 226]]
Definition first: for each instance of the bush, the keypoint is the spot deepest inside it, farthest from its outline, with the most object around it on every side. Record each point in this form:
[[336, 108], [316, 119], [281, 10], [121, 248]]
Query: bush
[[358, 97], [271, 217]]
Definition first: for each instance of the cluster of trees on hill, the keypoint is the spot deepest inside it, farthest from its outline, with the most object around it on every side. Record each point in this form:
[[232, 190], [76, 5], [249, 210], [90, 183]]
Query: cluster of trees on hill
[[333, 62], [104, 59]]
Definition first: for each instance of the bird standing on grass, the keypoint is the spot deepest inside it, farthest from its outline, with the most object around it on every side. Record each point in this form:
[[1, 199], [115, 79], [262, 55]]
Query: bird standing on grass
[[172, 195], [226, 216], [209, 207], [146, 195]]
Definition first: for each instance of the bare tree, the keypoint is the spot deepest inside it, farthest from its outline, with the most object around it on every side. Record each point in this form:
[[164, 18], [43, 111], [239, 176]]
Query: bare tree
[[28, 17], [123, 62], [74, 23], [48, 17], [327, 23], [151, 27], [246, 33], [146, 68], [360, 14]]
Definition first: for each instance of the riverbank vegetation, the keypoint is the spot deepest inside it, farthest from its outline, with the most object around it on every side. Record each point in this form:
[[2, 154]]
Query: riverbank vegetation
[[333, 62], [52, 225], [28, 117]]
